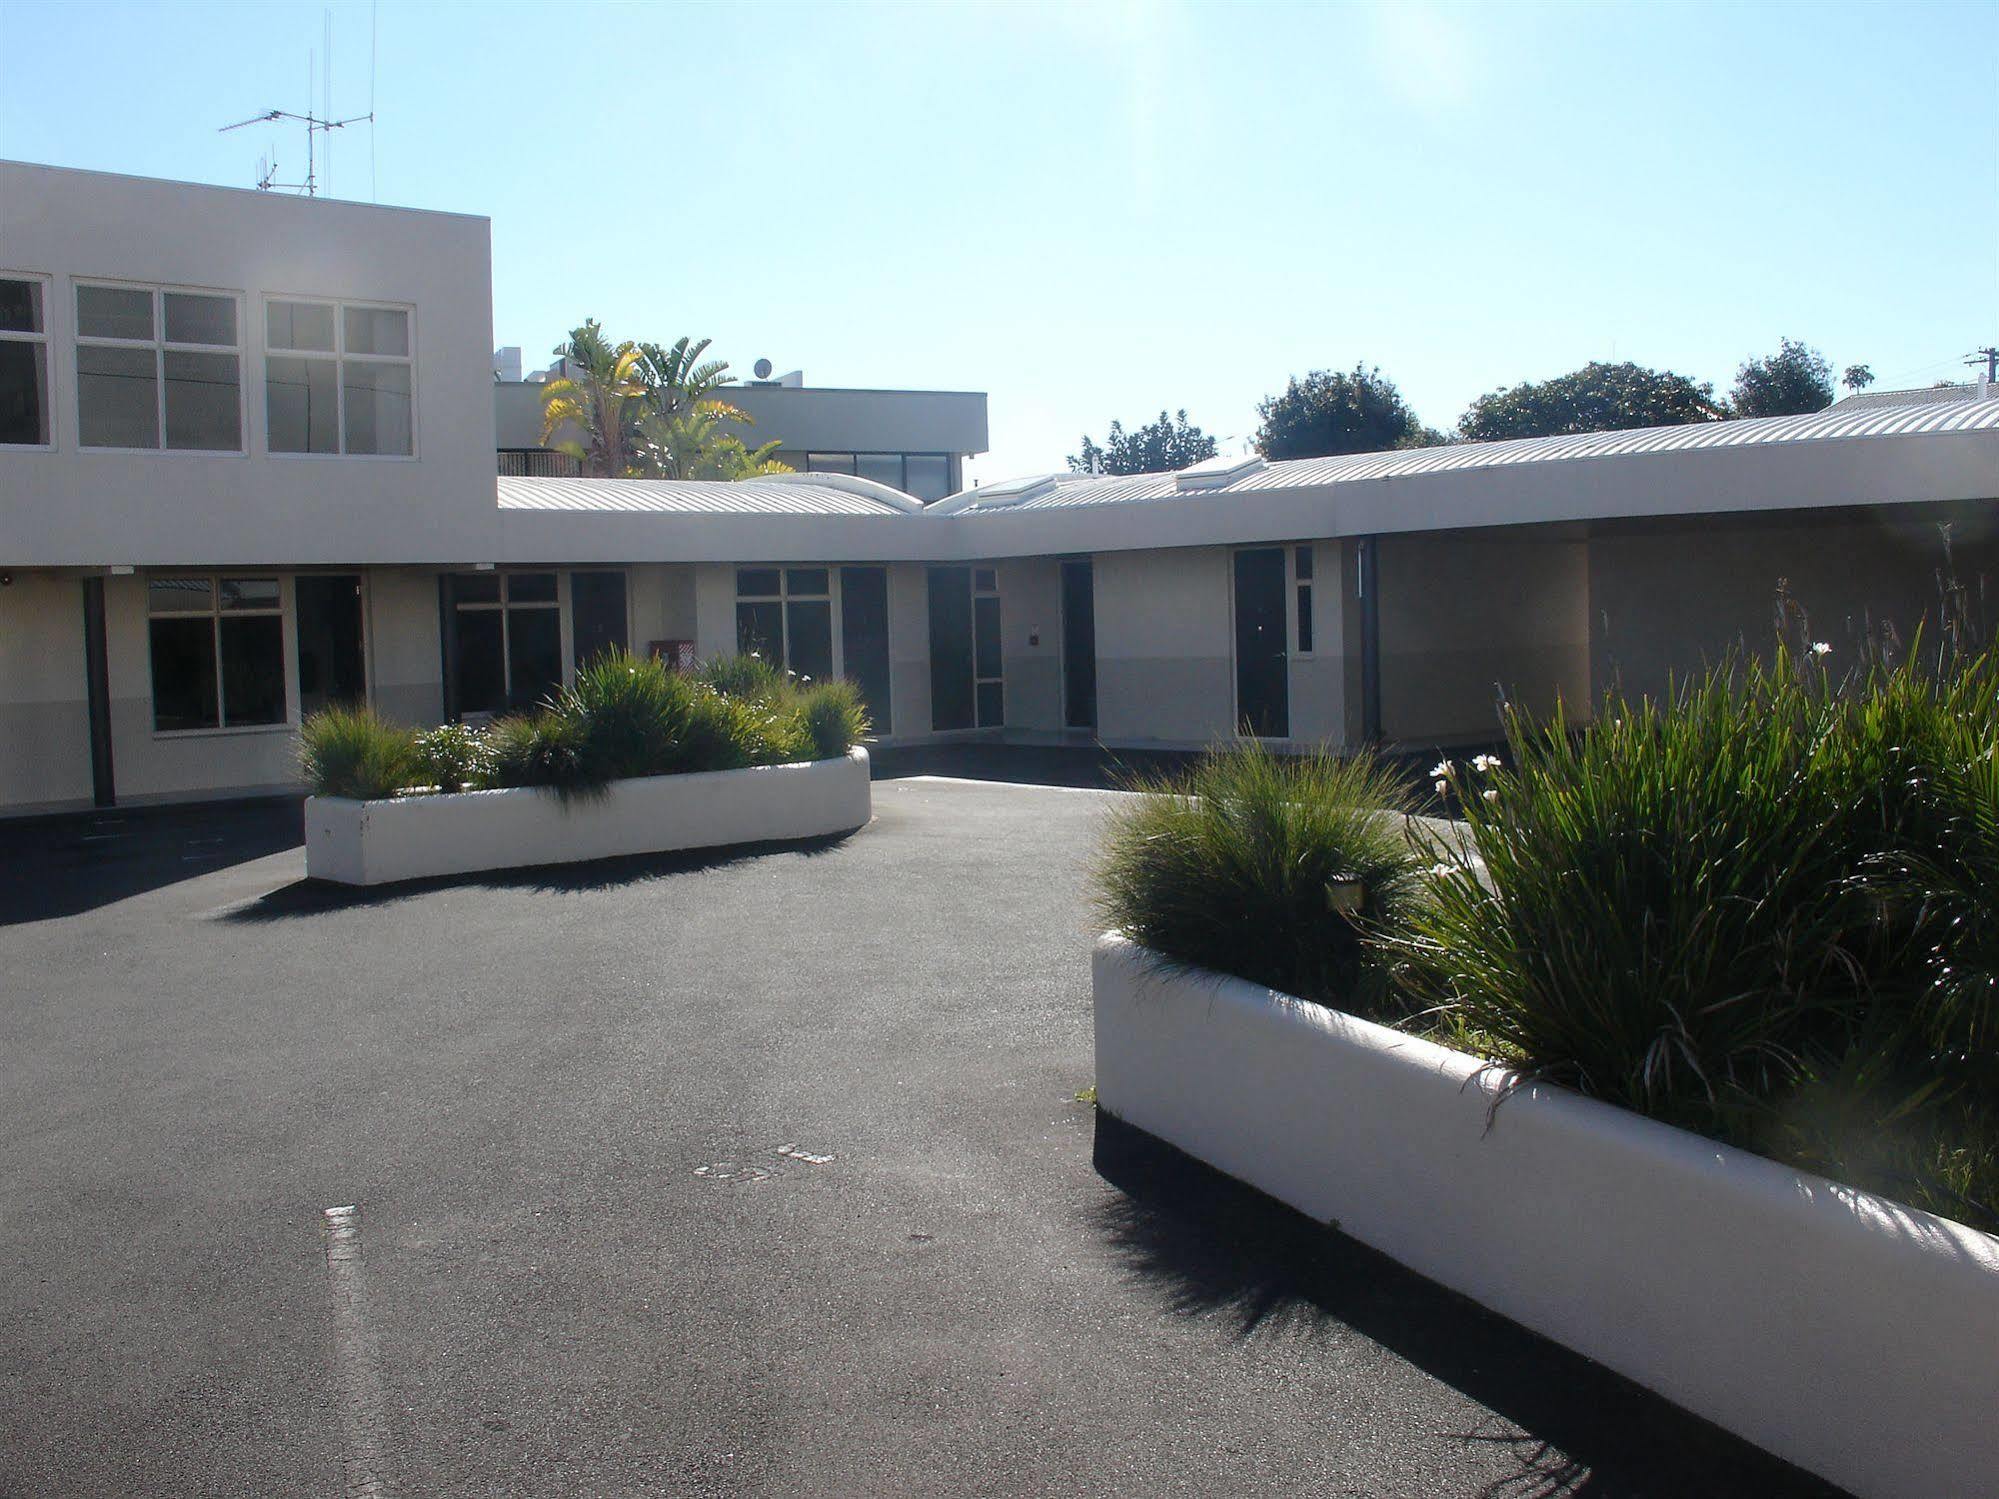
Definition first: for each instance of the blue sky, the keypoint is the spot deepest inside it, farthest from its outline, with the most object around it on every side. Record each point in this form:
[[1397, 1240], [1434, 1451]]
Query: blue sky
[[1099, 211]]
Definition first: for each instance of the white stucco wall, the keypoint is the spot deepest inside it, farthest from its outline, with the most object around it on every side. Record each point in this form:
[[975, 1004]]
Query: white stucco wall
[[1465, 617], [1164, 646], [94, 507], [44, 706]]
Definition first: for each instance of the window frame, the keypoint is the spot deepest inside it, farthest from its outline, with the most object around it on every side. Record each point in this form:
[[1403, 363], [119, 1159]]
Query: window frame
[[161, 346], [1304, 600], [46, 338], [215, 614], [988, 590], [504, 606], [338, 356], [784, 598]]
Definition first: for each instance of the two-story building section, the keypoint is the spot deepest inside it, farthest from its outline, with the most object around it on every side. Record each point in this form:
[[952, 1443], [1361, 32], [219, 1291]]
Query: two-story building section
[[247, 469]]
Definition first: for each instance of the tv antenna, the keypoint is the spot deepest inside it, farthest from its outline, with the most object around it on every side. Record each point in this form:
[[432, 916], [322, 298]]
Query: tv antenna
[[316, 125]]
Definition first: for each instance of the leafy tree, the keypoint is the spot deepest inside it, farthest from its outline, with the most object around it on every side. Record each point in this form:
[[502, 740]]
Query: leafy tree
[[1598, 397], [1794, 380], [1328, 412], [1857, 377], [1155, 448]]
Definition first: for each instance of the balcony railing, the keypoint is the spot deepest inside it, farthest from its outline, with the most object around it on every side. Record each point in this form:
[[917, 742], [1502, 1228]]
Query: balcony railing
[[537, 463]]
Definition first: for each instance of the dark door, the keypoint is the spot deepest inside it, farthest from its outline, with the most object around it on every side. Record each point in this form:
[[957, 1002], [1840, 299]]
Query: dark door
[[1079, 645], [597, 614], [1262, 693], [864, 637], [950, 648], [332, 659]]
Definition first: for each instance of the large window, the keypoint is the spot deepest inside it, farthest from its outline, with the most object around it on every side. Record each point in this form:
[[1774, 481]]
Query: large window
[[218, 651], [925, 475], [24, 362], [504, 647], [785, 615], [338, 379], [158, 369]]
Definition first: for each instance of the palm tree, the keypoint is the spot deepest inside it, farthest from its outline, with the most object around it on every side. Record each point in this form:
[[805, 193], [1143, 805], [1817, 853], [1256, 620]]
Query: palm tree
[[690, 444], [595, 401]]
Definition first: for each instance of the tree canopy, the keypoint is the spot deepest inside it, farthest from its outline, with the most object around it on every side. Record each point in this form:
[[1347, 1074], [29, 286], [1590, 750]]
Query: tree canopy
[[1328, 412], [1794, 380], [647, 411], [1169, 443], [1598, 397]]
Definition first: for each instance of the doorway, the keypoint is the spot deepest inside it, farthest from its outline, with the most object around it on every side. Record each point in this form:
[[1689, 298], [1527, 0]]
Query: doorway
[[1262, 674], [1079, 644], [864, 638], [332, 641]]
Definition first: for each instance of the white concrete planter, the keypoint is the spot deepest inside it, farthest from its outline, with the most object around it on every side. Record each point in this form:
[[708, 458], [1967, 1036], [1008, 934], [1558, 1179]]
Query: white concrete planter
[[413, 837], [1850, 1335]]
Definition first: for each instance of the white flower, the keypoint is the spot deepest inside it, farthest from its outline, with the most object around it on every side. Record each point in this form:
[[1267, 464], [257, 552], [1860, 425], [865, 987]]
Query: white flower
[[1442, 870], [1442, 768], [1485, 762], [1490, 795], [1442, 787], [1820, 648]]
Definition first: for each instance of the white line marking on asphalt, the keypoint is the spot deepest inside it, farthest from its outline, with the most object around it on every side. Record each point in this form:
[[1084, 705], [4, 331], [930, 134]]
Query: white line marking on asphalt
[[360, 1381], [1012, 785]]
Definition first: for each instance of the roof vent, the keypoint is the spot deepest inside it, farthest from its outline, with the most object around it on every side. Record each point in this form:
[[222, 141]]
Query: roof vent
[[1217, 473], [1015, 491]]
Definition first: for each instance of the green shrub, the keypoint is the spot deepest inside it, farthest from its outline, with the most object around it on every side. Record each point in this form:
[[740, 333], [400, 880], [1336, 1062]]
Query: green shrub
[[544, 748], [453, 757], [747, 676], [352, 752], [1761, 910], [832, 717], [725, 732], [1282, 871], [632, 713]]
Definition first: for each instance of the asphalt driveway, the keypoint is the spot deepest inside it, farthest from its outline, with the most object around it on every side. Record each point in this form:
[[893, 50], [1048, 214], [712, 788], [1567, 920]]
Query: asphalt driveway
[[751, 1175]]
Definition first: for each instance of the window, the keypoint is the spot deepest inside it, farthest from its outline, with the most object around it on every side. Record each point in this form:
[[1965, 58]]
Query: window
[[924, 475], [504, 642], [1301, 564], [158, 369], [785, 615], [209, 633], [337, 379], [927, 476], [988, 667], [24, 363]]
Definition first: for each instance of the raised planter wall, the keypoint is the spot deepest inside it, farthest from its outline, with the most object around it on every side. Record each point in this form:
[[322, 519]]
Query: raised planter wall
[[1850, 1335], [413, 837]]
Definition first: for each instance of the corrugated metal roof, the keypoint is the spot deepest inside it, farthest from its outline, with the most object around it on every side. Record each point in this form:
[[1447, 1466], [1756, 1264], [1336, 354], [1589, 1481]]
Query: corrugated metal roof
[[1927, 395], [1955, 416], [687, 497]]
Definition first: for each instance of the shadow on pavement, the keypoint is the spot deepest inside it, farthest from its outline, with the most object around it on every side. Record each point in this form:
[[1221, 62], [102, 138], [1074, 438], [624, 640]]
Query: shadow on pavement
[[1215, 1247], [74, 862], [314, 897]]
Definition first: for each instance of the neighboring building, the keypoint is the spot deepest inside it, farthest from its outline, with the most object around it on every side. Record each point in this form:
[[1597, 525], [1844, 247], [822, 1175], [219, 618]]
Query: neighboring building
[[246, 468], [916, 441]]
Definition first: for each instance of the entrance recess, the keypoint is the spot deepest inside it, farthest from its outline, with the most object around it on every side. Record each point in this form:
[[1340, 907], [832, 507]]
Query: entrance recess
[[1262, 686], [1079, 645], [332, 655], [967, 669]]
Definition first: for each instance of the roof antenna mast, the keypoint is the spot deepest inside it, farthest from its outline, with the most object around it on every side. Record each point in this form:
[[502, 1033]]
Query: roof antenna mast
[[316, 125]]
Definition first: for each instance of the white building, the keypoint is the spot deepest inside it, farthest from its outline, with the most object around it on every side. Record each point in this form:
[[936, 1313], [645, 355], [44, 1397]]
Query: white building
[[247, 467]]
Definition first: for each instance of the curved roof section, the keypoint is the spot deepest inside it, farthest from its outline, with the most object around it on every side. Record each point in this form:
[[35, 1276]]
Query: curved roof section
[[1302, 473], [777, 494]]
